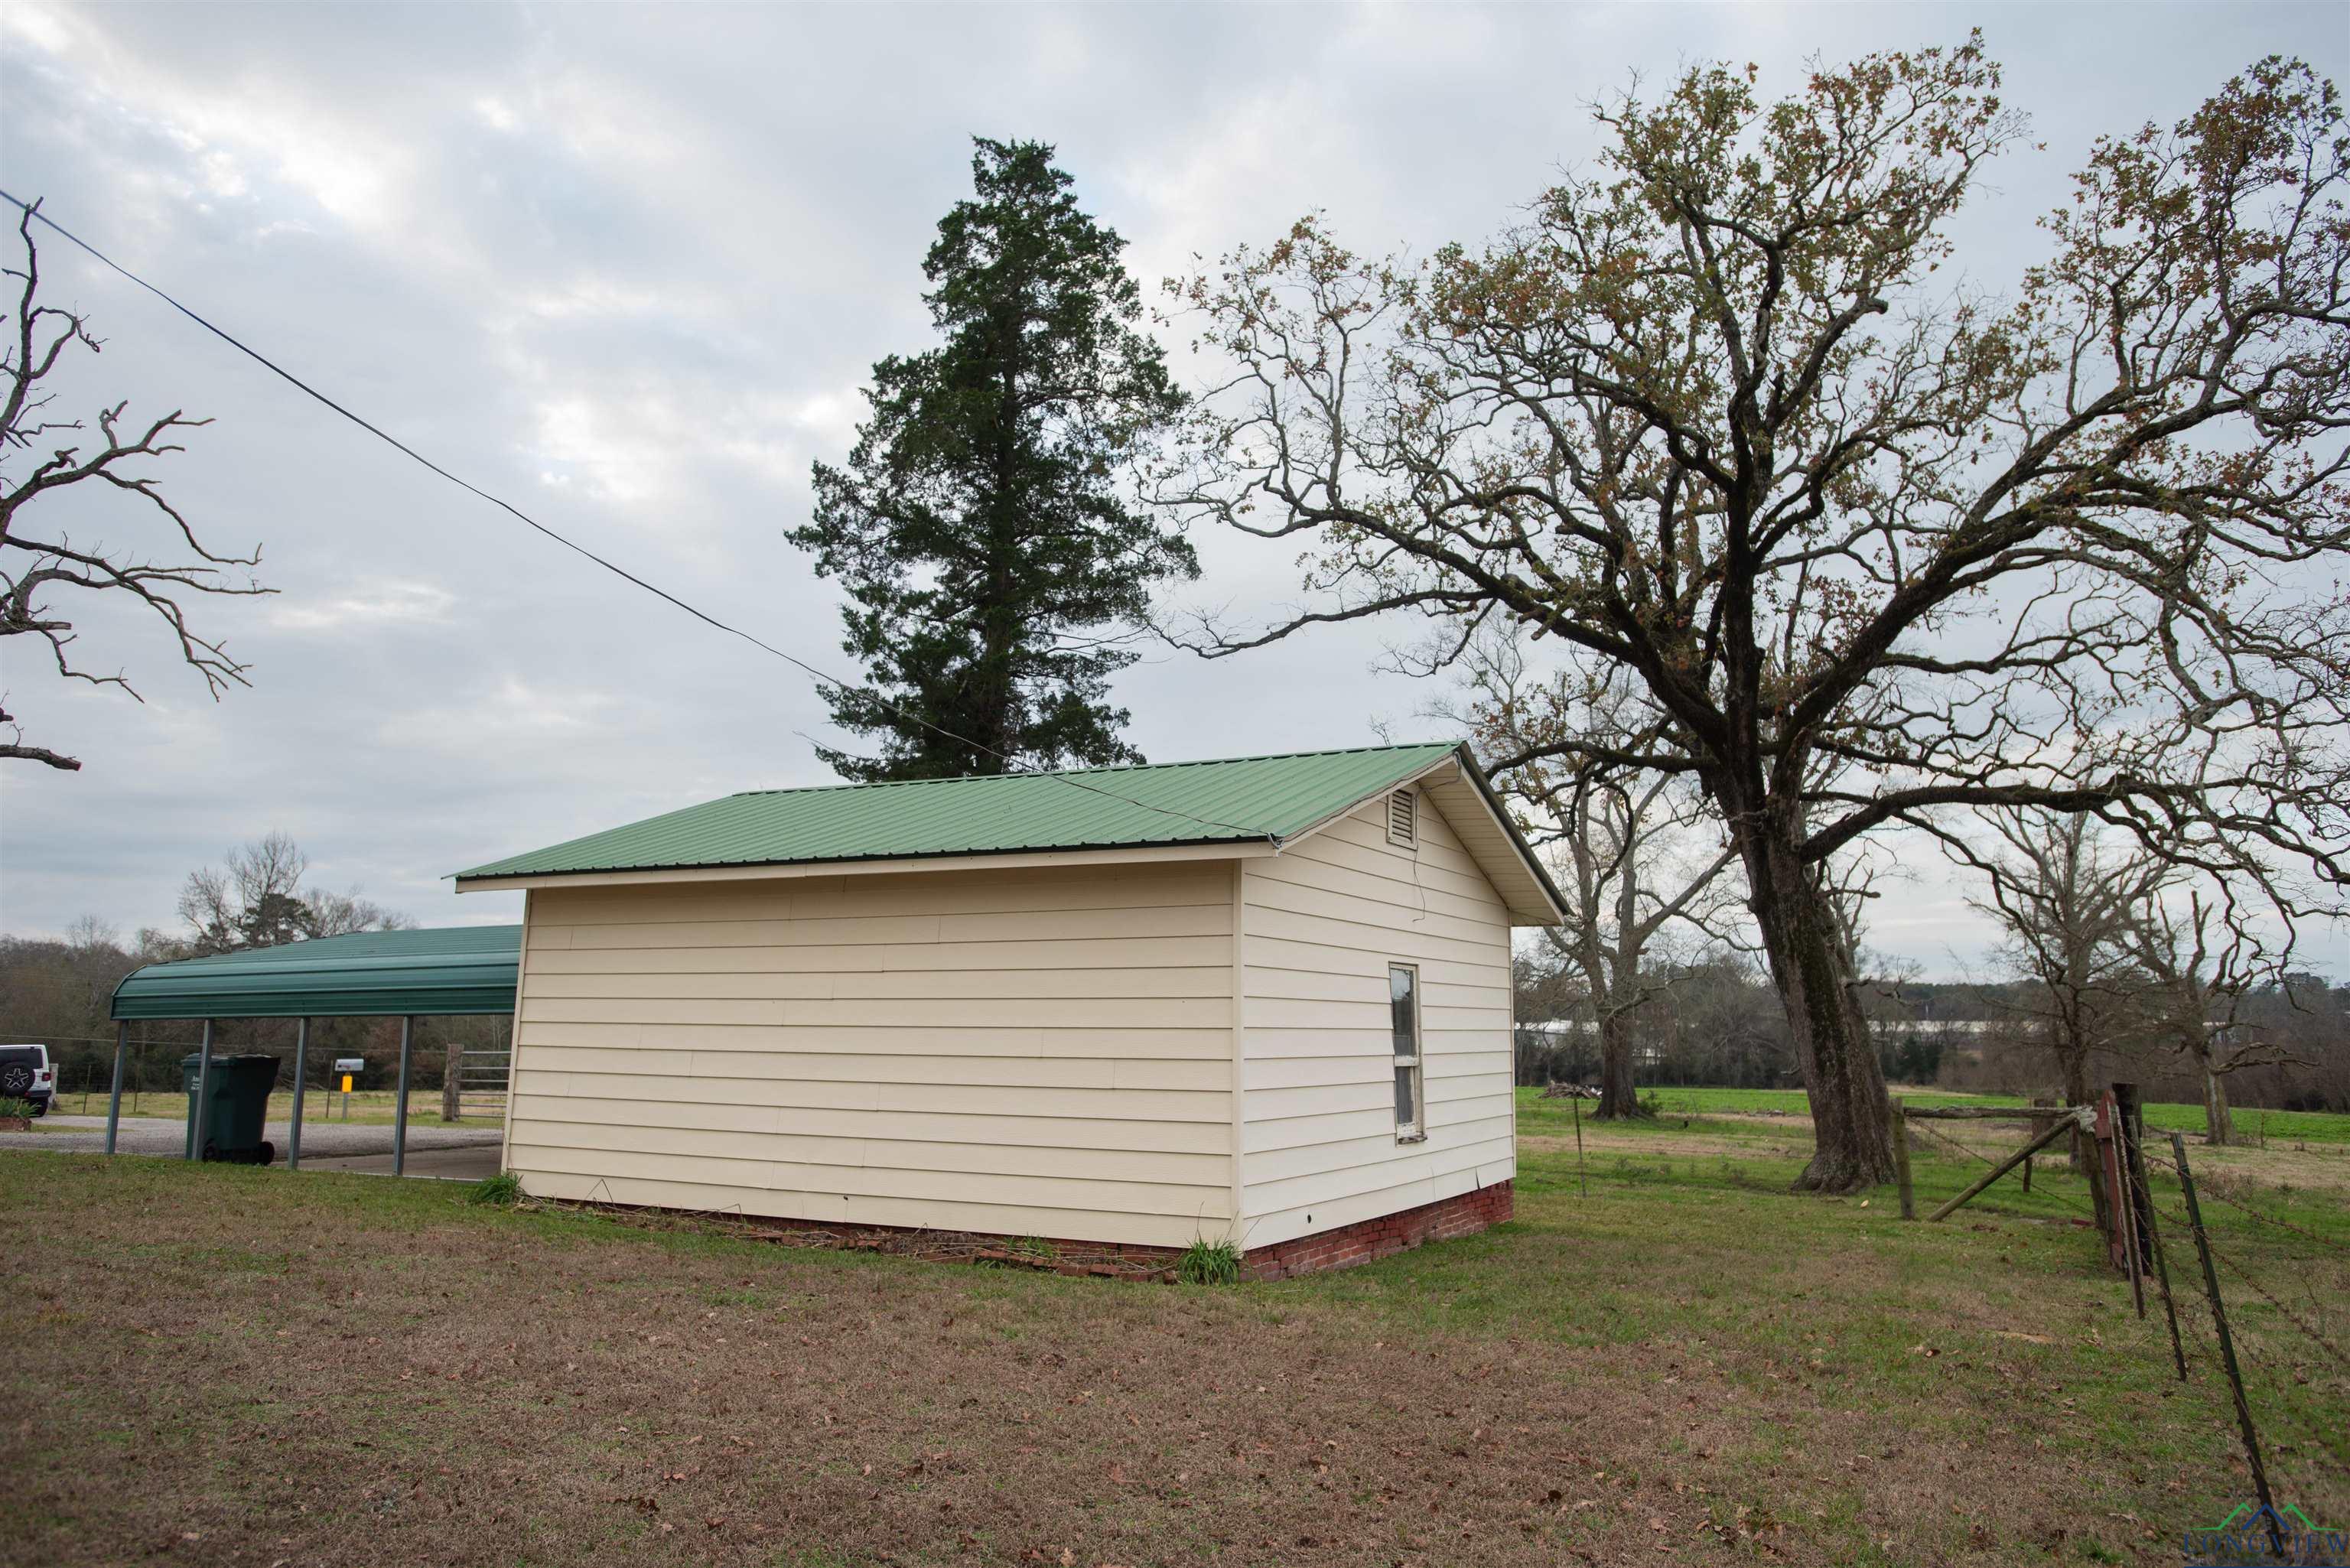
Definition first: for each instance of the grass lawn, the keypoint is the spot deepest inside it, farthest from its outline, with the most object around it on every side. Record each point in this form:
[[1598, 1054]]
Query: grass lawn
[[2253, 1126], [368, 1108], [1686, 1364]]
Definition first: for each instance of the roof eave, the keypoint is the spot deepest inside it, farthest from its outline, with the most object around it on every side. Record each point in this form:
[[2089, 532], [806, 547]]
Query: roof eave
[[1547, 907]]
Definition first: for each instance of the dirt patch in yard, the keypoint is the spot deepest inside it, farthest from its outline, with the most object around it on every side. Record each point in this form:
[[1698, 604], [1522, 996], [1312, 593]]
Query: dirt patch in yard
[[257, 1368]]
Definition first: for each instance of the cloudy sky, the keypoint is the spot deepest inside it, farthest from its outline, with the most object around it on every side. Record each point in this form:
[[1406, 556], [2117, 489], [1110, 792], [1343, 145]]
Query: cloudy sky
[[629, 268]]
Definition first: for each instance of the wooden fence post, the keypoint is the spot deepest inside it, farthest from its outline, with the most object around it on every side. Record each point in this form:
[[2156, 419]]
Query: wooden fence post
[[2114, 1214], [2129, 1174], [1901, 1155], [1582, 1186]]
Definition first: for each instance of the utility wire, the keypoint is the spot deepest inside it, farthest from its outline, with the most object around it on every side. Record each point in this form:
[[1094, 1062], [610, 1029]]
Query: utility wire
[[834, 681]]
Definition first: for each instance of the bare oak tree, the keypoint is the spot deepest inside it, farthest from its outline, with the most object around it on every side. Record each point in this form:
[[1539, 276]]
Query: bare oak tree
[[1875, 546], [257, 900], [34, 569], [2201, 963], [2066, 902], [1629, 851]]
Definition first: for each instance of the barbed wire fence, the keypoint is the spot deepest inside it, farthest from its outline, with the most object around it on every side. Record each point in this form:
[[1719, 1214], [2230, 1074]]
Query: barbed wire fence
[[2254, 1299]]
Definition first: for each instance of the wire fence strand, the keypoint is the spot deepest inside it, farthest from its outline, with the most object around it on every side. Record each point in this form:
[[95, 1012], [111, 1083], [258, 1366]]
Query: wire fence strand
[[2078, 1200], [2205, 1190]]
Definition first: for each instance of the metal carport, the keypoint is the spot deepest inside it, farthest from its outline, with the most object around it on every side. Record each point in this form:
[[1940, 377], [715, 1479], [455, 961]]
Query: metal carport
[[449, 971]]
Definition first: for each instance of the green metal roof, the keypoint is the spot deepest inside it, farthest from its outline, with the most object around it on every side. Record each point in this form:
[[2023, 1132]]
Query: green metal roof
[[1239, 799], [452, 969]]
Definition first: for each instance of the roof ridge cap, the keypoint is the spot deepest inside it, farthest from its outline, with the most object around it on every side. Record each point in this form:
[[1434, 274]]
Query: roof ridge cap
[[1096, 773]]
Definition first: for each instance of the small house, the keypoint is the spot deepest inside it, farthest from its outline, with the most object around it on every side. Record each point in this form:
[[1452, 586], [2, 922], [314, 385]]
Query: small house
[[1265, 999]]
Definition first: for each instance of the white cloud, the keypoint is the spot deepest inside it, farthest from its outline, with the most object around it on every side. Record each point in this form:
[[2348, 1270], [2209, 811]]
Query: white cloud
[[386, 603], [38, 26], [630, 266]]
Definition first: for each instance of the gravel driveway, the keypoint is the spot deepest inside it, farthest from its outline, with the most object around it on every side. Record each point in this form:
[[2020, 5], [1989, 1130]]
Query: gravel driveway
[[156, 1134]]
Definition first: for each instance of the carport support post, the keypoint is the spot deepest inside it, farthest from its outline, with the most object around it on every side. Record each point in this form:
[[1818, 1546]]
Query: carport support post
[[203, 1095], [114, 1102], [399, 1107], [294, 1133]]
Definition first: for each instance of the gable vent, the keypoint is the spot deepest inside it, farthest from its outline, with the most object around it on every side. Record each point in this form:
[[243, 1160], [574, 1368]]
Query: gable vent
[[1403, 818]]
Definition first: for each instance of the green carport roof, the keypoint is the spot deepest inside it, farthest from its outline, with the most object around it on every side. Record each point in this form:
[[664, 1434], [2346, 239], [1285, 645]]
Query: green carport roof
[[452, 969], [1268, 799]]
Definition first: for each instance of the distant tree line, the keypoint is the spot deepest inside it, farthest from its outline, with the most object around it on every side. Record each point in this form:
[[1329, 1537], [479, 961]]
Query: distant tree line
[[59, 992], [1714, 1020]]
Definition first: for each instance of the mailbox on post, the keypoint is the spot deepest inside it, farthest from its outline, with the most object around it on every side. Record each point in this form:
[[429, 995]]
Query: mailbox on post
[[346, 1072]]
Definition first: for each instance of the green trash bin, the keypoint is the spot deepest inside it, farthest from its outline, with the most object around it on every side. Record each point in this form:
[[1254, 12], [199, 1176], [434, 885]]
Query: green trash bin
[[237, 1107]]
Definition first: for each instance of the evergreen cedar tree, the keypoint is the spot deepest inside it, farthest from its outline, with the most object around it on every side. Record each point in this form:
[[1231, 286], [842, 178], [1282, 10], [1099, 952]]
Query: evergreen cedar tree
[[1881, 550], [992, 567]]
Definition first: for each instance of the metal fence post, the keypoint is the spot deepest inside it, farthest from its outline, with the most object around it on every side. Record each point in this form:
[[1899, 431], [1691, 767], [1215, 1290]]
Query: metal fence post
[[400, 1108], [2150, 1230], [2226, 1342], [203, 1095], [114, 1101], [293, 1133]]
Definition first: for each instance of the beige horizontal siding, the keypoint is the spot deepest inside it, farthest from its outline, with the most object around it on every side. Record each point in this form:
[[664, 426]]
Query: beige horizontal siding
[[566, 1100], [1104, 1013], [867, 1068], [1270, 1165], [1320, 924], [942, 892], [848, 958], [666, 1191], [955, 984], [742, 1160], [1147, 1043], [1278, 958], [1039, 1051]]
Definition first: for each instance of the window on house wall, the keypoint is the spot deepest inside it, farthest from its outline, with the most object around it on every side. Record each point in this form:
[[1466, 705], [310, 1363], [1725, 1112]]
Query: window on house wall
[[1403, 818], [1403, 1005]]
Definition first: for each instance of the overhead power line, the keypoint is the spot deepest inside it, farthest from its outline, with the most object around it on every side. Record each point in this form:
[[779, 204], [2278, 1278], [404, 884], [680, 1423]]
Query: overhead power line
[[823, 676]]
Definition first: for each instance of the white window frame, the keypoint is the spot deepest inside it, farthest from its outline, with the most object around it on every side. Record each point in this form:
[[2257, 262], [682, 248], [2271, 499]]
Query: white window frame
[[1409, 801], [1415, 1130]]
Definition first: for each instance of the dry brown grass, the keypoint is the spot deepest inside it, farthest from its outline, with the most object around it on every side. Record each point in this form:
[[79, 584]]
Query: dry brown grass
[[251, 1367]]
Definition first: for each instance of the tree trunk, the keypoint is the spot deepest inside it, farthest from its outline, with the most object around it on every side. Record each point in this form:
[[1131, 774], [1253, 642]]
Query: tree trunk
[[1852, 1130], [2082, 1150], [2217, 1126], [1619, 1096]]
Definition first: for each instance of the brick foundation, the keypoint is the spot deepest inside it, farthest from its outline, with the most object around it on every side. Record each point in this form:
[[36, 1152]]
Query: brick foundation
[[1367, 1240], [1361, 1242]]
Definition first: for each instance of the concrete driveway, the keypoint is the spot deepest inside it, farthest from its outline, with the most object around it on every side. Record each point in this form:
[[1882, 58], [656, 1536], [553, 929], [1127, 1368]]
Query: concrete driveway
[[466, 1153]]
